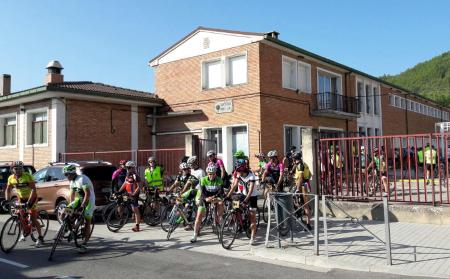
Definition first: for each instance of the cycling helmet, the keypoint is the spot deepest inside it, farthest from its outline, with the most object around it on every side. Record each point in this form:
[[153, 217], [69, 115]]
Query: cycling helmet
[[240, 163], [130, 164], [122, 162], [151, 159], [260, 155], [272, 153], [292, 148], [69, 169], [211, 169], [239, 154], [184, 166], [297, 156], [17, 164], [192, 160], [210, 152]]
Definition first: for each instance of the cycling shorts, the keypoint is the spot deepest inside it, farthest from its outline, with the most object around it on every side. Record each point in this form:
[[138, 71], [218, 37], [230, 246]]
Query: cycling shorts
[[88, 211]]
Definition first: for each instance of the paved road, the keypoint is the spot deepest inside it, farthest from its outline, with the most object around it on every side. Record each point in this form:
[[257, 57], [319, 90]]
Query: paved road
[[109, 258]]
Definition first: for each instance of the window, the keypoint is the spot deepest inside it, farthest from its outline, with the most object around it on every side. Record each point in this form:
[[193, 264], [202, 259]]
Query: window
[[408, 104], [403, 103], [362, 131], [292, 137], [328, 84], [397, 101], [391, 100], [369, 132], [55, 174], [8, 131], [39, 176], [289, 73], [37, 128], [376, 97], [216, 135], [212, 74], [377, 132], [361, 96], [304, 77], [368, 99], [237, 70]]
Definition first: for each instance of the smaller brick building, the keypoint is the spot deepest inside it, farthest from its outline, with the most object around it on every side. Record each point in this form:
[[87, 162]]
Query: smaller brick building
[[38, 124]]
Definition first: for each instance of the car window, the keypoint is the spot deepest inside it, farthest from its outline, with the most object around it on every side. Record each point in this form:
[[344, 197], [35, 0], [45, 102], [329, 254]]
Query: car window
[[99, 173], [55, 174], [29, 169], [4, 174], [39, 176]]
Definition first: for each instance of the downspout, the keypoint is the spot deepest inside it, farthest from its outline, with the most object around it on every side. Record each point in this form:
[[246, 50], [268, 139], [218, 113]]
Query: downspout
[[154, 129]]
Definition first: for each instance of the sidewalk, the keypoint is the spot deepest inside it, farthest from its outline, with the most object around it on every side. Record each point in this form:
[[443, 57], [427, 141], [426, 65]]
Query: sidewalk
[[417, 249]]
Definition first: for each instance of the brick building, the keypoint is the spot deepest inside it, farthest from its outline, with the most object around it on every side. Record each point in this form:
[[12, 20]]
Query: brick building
[[38, 124], [255, 92]]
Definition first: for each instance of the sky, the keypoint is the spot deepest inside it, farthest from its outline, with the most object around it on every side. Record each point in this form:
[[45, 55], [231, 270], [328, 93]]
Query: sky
[[111, 41]]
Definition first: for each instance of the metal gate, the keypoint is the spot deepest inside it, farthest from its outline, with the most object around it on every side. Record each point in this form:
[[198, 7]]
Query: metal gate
[[409, 168], [202, 147]]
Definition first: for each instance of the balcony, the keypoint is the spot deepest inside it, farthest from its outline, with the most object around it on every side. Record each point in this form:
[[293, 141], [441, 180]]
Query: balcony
[[334, 105]]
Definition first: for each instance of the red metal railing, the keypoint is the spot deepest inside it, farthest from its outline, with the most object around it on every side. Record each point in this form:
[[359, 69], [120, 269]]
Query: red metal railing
[[169, 158], [412, 168]]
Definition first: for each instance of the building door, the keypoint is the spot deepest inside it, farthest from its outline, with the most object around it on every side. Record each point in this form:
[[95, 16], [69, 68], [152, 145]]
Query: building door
[[239, 137]]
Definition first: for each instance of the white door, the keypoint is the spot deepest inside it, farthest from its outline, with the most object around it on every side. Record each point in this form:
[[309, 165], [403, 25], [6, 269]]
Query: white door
[[240, 140]]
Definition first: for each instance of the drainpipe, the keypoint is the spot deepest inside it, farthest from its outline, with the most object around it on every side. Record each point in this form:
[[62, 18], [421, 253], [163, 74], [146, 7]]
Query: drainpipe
[[154, 129]]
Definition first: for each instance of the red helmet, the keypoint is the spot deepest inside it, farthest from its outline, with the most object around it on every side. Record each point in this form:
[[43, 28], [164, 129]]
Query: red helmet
[[122, 162]]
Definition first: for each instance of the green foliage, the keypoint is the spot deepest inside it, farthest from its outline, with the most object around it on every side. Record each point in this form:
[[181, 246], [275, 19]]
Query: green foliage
[[430, 79]]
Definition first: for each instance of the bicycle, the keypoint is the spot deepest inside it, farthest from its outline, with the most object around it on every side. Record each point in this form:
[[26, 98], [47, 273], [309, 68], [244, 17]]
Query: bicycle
[[73, 223], [20, 223], [152, 207], [235, 222], [116, 219], [211, 216], [180, 214], [165, 213], [270, 188]]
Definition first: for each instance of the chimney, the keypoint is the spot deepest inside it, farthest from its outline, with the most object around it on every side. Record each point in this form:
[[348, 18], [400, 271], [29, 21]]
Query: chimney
[[5, 85], [272, 34], [54, 72]]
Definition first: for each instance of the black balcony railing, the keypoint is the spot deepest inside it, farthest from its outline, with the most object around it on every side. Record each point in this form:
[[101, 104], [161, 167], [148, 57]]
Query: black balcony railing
[[329, 101]]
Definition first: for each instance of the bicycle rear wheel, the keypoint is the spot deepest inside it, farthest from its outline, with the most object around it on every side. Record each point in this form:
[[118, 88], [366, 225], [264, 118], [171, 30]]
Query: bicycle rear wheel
[[58, 238], [152, 214], [229, 230], [10, 234], [43, 221], [79, 231], [106, 210], [116, 220], [166, 216]]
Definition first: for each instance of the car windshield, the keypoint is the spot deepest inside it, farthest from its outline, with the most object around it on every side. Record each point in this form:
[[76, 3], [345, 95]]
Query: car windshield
[[99, 172], [5, 172]]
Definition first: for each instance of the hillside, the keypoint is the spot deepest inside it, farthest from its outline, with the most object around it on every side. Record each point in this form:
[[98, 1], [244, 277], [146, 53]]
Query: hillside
[[430, 78]]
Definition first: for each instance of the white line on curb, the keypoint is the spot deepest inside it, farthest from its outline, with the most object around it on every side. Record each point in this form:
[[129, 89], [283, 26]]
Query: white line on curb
[[13, 263]]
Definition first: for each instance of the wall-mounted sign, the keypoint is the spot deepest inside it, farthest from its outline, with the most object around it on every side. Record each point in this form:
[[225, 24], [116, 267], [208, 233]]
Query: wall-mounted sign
[[224, 106]]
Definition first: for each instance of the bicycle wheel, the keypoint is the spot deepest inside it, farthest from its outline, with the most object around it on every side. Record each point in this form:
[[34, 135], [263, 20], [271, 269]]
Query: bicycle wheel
[[172, 228], [228, 230], [10, 234], [43, 221], [152, 214], [58, 238], [79, 231], [166, 216], [116, 220], [265, 212], [106, 210]]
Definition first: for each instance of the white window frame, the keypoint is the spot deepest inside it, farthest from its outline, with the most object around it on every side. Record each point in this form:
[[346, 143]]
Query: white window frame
[[228, 68], [298, 131], [283, 74], [204, 72], [28, 131], [3, 117], [308, 78]]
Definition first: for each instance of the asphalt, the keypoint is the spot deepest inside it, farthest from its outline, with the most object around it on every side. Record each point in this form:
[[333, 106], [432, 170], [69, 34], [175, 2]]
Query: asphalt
[[126, 258]]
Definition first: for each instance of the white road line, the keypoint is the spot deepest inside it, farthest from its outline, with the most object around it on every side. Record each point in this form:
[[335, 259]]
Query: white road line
[[13, 263]]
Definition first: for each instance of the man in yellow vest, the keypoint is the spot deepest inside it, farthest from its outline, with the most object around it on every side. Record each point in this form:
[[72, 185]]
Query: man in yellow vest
[[154, 175], [430, 155]]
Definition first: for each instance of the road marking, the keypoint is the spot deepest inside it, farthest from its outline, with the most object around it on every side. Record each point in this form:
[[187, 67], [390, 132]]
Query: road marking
[[13, 263]]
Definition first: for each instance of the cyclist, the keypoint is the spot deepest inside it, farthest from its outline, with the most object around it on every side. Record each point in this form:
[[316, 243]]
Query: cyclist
[[288, 162], [82, 196], [23, 183], [195, 168], [302, 181], [118, 177], [240, 158], [245, 184], [131, 187], [261, 164], [185, 181], [430, 156], [211, 186], [218, 163], [273, 172], [154, 175], [380, 166]]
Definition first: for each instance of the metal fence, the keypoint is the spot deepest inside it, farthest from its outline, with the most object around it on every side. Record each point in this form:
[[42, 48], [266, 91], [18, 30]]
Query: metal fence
[[409, 168], [169, 158]]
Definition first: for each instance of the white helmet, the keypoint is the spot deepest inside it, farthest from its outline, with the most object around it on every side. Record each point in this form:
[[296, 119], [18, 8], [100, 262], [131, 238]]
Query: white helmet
[[184, 166], [210, 152], [272, 153], [151, 159], [130, 164], [211, 169], [192, 160]]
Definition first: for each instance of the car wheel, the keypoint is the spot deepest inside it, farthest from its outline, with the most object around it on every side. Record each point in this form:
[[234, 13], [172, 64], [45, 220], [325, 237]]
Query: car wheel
[[59, 210]]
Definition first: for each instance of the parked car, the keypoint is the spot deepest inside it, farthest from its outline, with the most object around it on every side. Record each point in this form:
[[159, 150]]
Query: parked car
[[5, 172], [53, 187]]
